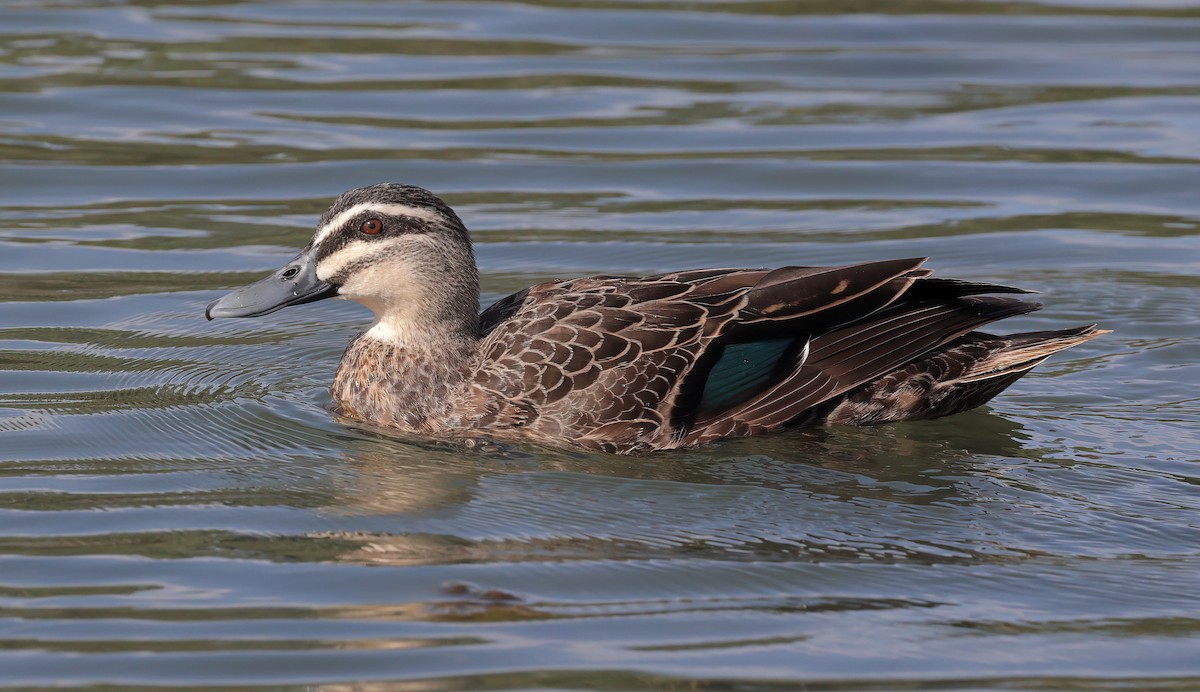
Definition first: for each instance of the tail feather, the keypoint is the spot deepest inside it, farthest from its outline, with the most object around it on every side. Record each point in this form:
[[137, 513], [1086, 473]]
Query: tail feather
[[1021, 352], [966, 373]]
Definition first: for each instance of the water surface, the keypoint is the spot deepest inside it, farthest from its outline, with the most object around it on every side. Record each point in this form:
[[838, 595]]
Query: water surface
[[177, 508]]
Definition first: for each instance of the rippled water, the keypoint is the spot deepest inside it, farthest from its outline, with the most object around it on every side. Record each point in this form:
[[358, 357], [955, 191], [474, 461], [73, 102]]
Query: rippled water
[[178, 508]]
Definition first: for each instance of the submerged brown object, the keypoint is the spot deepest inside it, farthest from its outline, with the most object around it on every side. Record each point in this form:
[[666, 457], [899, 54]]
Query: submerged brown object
[[629, 364]]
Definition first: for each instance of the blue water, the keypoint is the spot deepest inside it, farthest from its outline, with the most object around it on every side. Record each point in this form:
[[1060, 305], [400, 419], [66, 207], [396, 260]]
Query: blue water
[[178, 508]]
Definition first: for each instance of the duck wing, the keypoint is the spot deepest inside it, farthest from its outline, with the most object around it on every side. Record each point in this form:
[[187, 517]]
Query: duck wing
[[677, 359], [846, 356]]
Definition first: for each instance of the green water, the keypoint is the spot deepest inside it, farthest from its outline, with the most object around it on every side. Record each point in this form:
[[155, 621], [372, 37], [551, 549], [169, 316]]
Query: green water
[[177, 508]]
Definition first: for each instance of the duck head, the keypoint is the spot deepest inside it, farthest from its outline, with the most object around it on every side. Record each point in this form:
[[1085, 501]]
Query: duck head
[[397, 249]]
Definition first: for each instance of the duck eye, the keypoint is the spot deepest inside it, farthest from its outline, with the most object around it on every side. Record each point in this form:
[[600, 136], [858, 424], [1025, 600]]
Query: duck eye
[[372, 227]]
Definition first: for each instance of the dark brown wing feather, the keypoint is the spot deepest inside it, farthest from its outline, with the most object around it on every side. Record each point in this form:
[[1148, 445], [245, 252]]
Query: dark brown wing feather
[[621, 364], [500, 311]]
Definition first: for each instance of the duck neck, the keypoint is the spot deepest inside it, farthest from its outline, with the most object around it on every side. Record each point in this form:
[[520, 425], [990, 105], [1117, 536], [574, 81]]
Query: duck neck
[[402, 374]]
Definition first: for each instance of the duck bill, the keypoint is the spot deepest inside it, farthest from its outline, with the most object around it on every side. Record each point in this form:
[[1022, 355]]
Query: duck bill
[[294, 283]]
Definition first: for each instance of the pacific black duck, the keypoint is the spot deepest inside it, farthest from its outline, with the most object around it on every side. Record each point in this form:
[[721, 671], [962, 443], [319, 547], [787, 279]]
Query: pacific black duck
[[629, 364]]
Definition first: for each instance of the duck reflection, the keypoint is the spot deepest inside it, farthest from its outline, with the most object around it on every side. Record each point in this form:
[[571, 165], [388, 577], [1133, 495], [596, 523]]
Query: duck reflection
[[805, 492]]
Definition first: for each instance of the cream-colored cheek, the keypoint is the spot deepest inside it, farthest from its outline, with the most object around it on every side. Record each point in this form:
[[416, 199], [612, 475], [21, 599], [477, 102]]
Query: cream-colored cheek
[[388, 290], [389, 282]]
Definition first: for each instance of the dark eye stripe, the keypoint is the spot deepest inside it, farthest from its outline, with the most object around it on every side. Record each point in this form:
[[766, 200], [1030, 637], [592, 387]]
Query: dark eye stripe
[[351, 230]]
